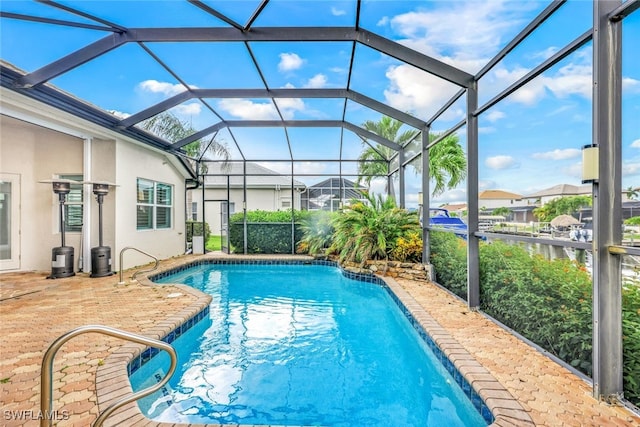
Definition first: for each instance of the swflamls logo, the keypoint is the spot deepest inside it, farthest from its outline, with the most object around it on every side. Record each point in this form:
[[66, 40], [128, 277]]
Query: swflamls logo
[[29, 415]]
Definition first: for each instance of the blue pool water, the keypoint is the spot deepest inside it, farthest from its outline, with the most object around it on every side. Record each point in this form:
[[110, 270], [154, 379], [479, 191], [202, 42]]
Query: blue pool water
[[301, 345]]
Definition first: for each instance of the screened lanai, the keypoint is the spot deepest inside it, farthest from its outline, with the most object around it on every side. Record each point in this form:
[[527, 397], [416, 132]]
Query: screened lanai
[[524, 87]]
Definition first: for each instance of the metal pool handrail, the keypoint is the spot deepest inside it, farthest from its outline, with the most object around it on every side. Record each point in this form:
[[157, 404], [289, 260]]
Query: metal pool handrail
[[121, 282], [46, 379]]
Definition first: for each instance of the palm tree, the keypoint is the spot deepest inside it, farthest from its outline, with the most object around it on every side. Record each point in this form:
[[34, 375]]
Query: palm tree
[[447, 160], [632, 192], [171, 128], [374, 159]]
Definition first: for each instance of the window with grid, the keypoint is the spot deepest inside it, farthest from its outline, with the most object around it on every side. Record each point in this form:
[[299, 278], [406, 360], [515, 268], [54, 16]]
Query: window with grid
[[154, 206], [73, 206]]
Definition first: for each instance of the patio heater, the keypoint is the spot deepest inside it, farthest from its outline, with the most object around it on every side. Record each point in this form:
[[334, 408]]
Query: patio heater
[[100, 255], [62, 256]]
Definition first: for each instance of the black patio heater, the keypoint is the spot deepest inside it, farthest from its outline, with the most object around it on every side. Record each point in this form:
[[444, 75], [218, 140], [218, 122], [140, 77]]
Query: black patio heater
[[62, 256], [100, 255]]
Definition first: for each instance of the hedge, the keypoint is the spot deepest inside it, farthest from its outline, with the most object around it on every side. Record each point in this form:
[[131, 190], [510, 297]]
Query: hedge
[[195, 228], [268, 232], [548, 302]]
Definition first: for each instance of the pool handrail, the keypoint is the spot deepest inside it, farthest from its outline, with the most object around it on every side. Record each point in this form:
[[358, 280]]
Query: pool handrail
[[133, 276], [46, 379]]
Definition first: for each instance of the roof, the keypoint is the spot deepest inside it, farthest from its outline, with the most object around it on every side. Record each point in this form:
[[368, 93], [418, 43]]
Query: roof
[[498, 195], [562, 190], [331, 189], [455, 207], [258, 176]]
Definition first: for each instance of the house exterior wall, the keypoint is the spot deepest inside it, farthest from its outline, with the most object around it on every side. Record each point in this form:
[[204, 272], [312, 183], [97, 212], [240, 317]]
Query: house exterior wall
[[500, 203], [133, 162], [35, 153]]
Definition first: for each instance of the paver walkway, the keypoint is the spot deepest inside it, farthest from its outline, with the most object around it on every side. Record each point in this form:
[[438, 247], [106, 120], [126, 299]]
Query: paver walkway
[[34, 311]]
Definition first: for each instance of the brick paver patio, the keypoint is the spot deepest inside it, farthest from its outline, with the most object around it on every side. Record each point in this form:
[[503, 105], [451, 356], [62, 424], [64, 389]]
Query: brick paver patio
[[34, 311]]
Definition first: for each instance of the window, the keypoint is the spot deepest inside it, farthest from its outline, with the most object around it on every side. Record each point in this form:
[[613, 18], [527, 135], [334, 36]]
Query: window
[[194, 211], [285, 202], [154, 205], [73, 206]]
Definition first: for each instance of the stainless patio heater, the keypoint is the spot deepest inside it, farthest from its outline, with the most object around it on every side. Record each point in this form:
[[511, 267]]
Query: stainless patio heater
[[101, 255], [62, 256]]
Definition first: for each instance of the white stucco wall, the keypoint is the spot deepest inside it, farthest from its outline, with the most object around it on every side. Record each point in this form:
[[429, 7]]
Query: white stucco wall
[[133, 162], [35, 153], [38, 142]]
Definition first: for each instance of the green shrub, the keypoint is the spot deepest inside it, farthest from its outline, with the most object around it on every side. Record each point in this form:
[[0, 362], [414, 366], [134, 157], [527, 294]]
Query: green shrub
[[449, 260], [548, 302], [634, 220], [408, 248], [195, 228], [268, 232]]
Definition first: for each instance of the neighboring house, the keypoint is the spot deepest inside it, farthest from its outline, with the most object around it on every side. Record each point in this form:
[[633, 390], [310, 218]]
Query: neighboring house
[[331, 194], [492, 199], [266, 190], [456, 209], [39, 142], [542, 197]]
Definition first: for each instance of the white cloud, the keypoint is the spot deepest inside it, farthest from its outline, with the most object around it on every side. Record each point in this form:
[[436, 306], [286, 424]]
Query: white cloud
[[528, 94], [546, 53], [249, 110], [500, 162], [572, 79], [630, 169], [337, 12], [574, 170], [494, 115], [317, 81], [192, 109], [290, 62], [636, 143], [164, 88], [557, 154], [119, 114], [457, 195], [414, 90], [484, 184], [383, 21], [489, 24]]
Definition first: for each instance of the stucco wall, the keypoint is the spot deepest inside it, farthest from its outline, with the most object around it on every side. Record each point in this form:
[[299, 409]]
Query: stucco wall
[[133, 162], [36, 154]]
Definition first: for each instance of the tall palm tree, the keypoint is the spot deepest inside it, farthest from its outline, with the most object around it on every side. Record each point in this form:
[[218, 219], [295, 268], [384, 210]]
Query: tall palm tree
[[374, 159], [447, 160], [171, 128], [447, 163]]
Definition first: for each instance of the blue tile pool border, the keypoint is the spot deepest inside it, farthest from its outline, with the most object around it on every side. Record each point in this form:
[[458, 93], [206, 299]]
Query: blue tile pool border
[[462, 382]]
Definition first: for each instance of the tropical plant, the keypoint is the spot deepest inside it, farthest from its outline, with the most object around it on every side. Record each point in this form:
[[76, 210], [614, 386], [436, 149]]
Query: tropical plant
[[317, 231], [632, 192], [370, 230], [561, 206], [374, 159], [447, 160], [171, 128], [502, 211], [447, 163]]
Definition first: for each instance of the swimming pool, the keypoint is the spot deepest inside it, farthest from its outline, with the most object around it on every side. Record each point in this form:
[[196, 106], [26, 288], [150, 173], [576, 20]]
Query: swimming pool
[[301, 345]]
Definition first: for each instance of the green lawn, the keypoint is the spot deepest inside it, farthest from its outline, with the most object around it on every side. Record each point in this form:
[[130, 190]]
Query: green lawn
[[214, 243]]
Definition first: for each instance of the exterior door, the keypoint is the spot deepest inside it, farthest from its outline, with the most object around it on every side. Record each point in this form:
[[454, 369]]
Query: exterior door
[[9, 221]]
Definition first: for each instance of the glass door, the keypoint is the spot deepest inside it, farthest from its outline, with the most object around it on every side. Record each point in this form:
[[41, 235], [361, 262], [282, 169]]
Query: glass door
[[9, 221]]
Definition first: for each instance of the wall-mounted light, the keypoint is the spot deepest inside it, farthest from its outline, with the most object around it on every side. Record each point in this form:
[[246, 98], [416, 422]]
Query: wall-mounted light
[[590, 171], [420, 199]]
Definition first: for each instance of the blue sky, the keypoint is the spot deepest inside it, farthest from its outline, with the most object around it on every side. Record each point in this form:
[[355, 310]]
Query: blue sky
[[528, 142]]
